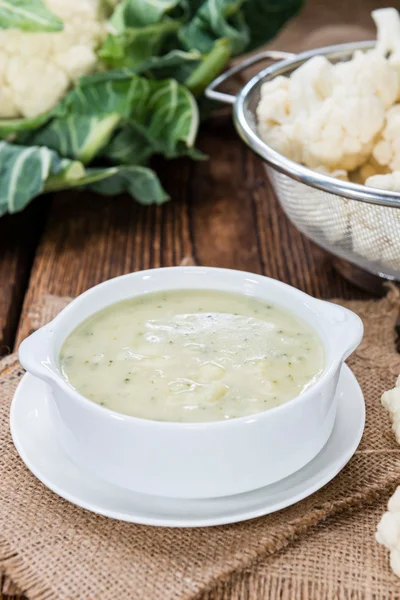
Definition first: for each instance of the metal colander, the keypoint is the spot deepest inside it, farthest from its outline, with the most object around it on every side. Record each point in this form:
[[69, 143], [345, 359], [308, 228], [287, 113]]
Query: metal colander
[[353, 222]]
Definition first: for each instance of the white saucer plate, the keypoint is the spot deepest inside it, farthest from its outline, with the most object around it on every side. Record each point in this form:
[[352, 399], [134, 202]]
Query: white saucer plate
[[37, 445]]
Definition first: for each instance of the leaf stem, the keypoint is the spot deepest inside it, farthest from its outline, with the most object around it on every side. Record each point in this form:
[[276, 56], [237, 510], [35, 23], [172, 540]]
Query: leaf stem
[[211, 66]]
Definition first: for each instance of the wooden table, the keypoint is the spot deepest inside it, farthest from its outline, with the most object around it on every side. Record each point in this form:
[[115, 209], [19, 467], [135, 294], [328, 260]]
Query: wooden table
[[222, 213]]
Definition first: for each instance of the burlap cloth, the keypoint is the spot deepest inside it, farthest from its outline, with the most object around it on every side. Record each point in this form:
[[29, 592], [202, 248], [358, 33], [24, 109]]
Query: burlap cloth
[[54, 550]]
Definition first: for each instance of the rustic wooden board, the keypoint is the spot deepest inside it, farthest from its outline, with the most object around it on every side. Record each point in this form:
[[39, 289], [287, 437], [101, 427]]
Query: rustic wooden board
[[19, 235]]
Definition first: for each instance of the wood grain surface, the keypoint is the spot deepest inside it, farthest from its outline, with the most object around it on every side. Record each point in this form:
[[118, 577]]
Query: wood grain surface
[[19, 235], [223, 213]]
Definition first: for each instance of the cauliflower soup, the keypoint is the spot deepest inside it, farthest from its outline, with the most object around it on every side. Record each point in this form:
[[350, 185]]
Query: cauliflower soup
[[192, 355]]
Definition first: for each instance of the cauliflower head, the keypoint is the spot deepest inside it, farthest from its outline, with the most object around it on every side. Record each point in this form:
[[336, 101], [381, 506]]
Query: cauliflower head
[[389, 181], [37, 69]]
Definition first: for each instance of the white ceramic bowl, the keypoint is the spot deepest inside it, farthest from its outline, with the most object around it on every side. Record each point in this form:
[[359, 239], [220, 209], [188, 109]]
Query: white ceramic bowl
[[194, 460]]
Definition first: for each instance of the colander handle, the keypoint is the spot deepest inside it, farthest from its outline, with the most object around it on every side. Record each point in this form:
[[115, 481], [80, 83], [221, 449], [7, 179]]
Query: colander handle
[[211, 91]]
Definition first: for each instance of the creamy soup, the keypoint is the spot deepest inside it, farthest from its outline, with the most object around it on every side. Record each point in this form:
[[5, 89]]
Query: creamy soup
[[194, 355]]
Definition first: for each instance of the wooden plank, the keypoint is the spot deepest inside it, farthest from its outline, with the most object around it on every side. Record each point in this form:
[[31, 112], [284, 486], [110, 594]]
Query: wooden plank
[[19, 235], [223, 213], [221, 219], [90, 238]]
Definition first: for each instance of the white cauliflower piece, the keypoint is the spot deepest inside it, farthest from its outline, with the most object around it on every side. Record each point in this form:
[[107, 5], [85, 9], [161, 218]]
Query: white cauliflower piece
[[391, 401], [387, 149], [388, 534], [9, 109], [337, 173], [387, 21], [389, 182], [328, 115], [273, 112], [37, 69], [77, 61], [275, 109], [23, 77], [343, 139], [388, 530], [370, 71], [341, 133], [286, 102], [309, 86]]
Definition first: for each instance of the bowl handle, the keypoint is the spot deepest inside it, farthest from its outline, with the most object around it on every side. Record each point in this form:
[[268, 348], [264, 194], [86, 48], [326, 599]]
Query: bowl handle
[[344, 327], [34, 354], [213, 94]]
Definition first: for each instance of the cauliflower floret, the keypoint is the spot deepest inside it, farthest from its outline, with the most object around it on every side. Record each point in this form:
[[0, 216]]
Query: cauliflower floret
[[23, 77], [389, 182], [388, 529], [391, 401], [387, 21], [309, 85], [274, 105], [284, 139], [342, 139], [37, 69], [328, 114], [374, 232], [370, 71], [331, 115], [77, 61], [9, 109], [387, 149], [388, 532], [342, 132], [274, 124], [286, 102]]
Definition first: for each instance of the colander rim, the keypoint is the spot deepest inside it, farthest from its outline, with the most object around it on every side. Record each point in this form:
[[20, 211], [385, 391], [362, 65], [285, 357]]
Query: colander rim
[[292, 169]]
